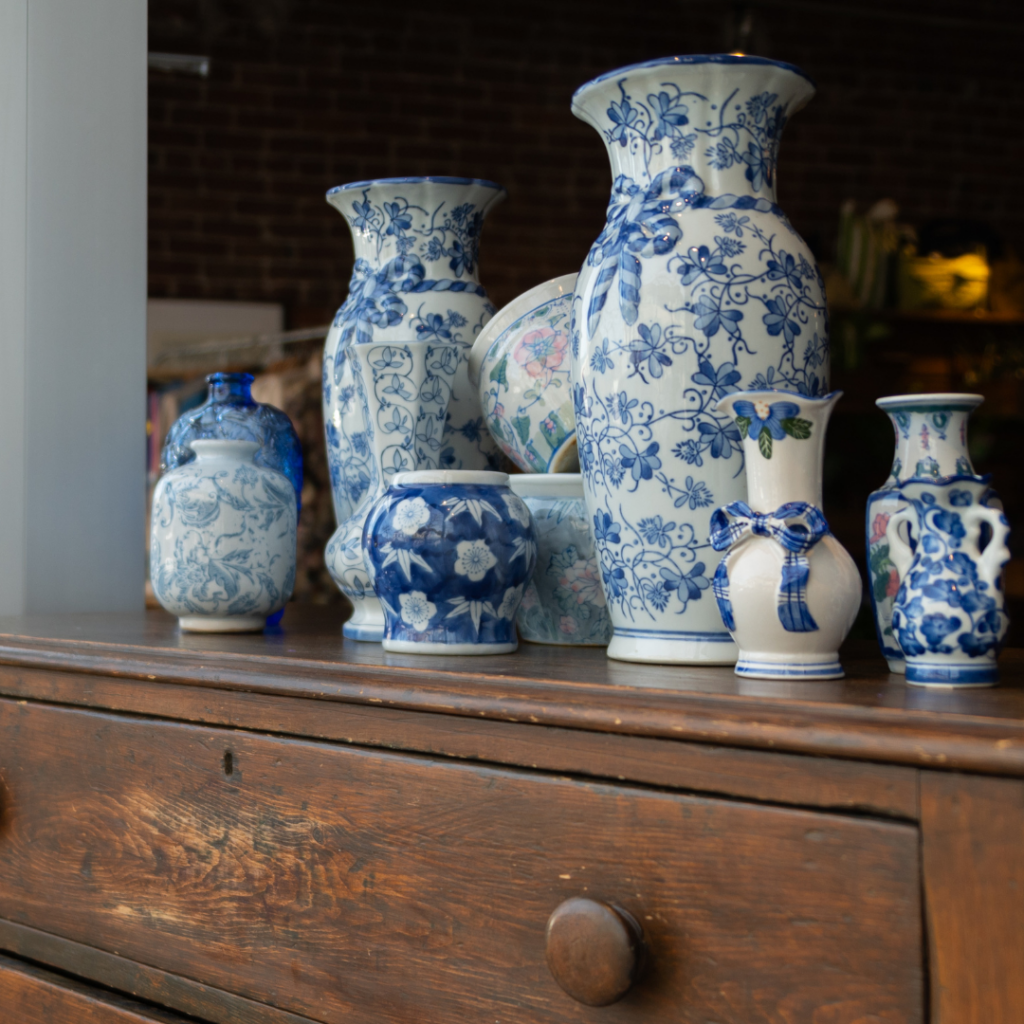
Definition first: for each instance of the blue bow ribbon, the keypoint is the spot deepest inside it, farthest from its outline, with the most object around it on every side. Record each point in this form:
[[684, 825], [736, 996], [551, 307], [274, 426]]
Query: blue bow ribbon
[[797, 526]]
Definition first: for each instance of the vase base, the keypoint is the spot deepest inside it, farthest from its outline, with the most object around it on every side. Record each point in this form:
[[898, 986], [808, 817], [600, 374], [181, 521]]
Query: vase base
[[661, 647], [222, 623], [368, 632], [756, 665], [952, 676], [471, 650], [897, 666], [561, 643]]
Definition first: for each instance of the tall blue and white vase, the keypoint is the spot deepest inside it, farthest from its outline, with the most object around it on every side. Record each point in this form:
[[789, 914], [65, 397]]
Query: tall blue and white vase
[[222, 539], [415, 278], [931, 441], [949, 547], [403, 390], [697, 286]]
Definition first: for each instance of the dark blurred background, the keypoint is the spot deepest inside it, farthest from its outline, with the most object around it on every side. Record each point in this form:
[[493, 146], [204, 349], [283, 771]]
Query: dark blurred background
[[920, 103]]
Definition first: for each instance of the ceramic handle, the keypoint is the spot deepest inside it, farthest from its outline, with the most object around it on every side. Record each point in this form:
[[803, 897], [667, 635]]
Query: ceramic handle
[[996, 553], [900, 553], [594, 951]]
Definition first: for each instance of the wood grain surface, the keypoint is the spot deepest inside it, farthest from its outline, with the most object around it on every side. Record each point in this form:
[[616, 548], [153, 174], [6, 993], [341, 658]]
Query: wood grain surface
[[354, 885], [794, 779], [29, 995], [870, 715], [973, 854]]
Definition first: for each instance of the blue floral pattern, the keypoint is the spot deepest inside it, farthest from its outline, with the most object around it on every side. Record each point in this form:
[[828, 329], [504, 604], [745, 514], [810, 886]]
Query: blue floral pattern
[[404, 391], [414, 278], [949, 616], [222, 536], [450, 562], [687, 296]]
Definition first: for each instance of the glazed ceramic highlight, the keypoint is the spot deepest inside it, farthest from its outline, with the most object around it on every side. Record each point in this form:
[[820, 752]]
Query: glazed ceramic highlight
[[450, 554], [787, 589], [563, 602], [521, 366], [403, 392], [222, 539], [697, 286], [931, 441], [949, 616], [415, 279]]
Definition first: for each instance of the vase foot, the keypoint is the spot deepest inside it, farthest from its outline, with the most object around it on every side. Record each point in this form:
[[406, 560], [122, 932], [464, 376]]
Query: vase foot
[[896, 665], [471, 650], [366, 623], [757, 665], [222, 623], [662, 647], [952, 676]]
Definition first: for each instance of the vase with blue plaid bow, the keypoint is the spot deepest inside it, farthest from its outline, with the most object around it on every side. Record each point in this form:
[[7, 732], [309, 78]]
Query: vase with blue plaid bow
[[788, 591]]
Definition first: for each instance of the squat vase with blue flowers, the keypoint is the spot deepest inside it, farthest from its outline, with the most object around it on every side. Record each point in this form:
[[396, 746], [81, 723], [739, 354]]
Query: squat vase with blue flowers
[[788, 591], [948, 545], [697, 286], [931, 442], [450, 554]]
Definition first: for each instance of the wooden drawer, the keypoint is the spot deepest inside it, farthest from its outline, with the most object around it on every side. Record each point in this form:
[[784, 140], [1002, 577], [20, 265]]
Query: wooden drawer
[[29, 995], [353, 885]]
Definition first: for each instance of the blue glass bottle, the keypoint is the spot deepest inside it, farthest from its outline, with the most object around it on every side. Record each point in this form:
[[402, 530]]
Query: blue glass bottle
[[231, 413]]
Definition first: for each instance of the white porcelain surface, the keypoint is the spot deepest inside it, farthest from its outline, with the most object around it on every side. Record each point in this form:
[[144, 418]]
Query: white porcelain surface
[[797, 637], [564, 603], [222, 539], [697, 286], [520, 364]]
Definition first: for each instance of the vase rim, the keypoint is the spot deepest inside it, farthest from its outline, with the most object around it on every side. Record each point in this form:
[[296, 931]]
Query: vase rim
[[687, 60], [552, 290], [211, 447], [751, 392], [226, 377], [547, 485], [450, 478], [437, 179], [929, 402]]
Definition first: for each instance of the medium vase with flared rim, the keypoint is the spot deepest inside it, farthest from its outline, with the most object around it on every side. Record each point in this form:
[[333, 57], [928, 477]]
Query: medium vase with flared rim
[[696, 287], [415, 278], [931, 441], [784, 442]]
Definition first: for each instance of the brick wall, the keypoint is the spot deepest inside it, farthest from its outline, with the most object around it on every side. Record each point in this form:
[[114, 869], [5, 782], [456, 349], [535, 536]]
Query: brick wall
[[920, 101]]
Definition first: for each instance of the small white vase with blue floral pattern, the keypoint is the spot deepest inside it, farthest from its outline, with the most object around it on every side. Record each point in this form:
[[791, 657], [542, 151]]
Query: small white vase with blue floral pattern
[[222, 539], [788, 591], [563, 602], [931, 441], [697, 286], [450, 553], [948, 545]]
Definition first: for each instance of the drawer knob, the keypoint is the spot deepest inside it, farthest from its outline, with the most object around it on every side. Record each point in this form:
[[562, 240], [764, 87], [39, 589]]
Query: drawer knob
[[594, 950]]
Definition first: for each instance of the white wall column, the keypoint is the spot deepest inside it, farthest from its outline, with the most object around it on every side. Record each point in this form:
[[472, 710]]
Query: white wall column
[[72, 304]]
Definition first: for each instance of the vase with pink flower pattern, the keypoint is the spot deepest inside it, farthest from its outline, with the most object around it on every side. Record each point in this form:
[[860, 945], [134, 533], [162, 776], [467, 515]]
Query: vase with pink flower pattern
[[931, 441]]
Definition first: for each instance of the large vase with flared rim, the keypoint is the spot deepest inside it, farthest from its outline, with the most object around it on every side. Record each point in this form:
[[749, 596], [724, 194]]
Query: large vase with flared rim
[[931, 441], [402, 392], [697, 286], [788, 590], [415, 278]]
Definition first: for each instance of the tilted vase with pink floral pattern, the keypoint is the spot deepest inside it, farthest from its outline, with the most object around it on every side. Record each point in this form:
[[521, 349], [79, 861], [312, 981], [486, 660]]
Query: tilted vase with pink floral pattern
[[520, 363]]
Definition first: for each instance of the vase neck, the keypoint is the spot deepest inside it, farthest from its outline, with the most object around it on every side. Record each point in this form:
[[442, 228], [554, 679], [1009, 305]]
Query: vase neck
[[931, 436], [430, 226], [783, 445], [233, 388], [720, 117]]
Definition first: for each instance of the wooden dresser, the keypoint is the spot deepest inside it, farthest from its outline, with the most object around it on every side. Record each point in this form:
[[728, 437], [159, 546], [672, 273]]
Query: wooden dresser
[[285, 827]]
